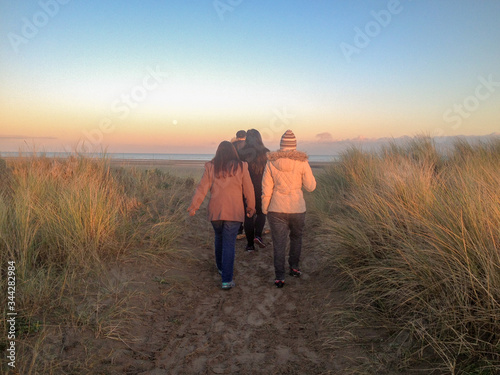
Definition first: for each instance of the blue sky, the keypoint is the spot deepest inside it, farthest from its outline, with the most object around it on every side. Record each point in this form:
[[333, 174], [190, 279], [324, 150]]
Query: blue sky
[[69, 66]]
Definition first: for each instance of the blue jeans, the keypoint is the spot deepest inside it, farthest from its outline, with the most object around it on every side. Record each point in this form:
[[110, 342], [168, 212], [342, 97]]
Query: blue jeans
[[282, 226], [225, 242]]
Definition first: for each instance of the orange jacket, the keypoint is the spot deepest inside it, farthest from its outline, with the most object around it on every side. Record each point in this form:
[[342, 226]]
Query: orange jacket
[[226, 193]]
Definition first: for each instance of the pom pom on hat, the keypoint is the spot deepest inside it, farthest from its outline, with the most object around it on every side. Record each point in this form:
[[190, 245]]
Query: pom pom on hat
[[288, 141]]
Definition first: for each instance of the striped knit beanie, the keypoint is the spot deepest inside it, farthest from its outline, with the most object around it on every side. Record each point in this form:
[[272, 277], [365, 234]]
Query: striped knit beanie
[[288, 141]]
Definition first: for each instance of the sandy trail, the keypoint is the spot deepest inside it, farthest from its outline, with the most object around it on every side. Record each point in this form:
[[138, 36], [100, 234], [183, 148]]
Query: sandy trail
[[252, 328], [188, 325], [184, 323]]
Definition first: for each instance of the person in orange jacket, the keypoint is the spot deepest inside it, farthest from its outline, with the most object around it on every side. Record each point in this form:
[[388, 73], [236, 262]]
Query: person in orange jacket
[[227, 178]]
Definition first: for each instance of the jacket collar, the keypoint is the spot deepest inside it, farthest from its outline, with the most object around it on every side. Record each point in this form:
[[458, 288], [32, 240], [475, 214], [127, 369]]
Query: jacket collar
[[293, 155]]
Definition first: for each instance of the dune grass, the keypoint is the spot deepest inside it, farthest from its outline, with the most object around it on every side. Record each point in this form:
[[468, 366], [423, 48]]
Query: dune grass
[[62, 221], [418, 235]]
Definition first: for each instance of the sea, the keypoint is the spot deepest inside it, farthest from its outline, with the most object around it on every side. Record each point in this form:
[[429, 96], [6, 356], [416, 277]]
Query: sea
[[146, 156]]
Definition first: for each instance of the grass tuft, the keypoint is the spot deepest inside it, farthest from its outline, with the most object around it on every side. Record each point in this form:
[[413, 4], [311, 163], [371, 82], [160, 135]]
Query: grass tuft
[[417, 233], [63, 221]]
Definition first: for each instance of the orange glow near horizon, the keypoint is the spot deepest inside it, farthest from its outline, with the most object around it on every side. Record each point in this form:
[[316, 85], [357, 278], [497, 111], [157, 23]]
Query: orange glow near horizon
[[177, 128]]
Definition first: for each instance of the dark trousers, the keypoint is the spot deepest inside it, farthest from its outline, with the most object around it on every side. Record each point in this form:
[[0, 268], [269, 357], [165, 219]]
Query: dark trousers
[[284, 226], [224, 243], [254, 226]]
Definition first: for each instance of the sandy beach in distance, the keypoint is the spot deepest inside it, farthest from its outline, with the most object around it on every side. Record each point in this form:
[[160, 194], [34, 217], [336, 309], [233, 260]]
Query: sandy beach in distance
[[181, 168], [185, 168]]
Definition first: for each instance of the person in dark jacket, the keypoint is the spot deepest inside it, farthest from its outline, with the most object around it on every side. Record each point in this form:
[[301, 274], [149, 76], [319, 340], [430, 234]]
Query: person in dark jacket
[[239, 141], [255, 154]]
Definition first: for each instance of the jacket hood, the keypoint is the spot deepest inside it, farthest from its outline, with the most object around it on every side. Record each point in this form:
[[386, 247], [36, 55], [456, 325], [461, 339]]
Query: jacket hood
[[293, 155], [286, 160]]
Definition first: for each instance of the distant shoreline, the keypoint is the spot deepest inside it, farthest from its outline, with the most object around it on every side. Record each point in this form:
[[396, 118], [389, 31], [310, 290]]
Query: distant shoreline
[[182, 167], [142, 156], [186, 162], [186, 167]]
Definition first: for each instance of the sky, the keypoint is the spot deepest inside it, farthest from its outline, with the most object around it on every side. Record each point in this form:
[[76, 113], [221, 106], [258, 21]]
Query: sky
[[180, 76]]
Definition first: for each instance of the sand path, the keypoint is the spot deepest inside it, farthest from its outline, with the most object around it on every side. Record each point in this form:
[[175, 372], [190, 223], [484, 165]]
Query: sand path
[[184, 323]]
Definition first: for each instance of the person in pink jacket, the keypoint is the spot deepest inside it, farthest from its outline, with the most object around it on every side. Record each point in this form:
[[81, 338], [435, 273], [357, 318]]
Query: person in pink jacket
[[287, 171], [228, 180]]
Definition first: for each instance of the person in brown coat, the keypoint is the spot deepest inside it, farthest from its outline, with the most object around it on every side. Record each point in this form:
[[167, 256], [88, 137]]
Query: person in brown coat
[[227, 178]]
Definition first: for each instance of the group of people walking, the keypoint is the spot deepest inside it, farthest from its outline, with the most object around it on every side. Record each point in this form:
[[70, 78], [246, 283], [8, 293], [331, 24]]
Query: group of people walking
[[248, 184]]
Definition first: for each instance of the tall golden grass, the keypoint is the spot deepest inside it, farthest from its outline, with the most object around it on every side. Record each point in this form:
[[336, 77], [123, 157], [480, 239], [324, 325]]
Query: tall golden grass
[[418, 234], [62, 221]]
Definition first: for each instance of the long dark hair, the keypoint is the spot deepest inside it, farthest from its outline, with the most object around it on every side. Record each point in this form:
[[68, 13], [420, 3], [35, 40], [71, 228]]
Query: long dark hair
[[254, 152], [226, 161]]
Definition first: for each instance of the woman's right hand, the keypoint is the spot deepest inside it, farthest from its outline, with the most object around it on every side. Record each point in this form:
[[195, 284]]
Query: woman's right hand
[[250, 212]]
